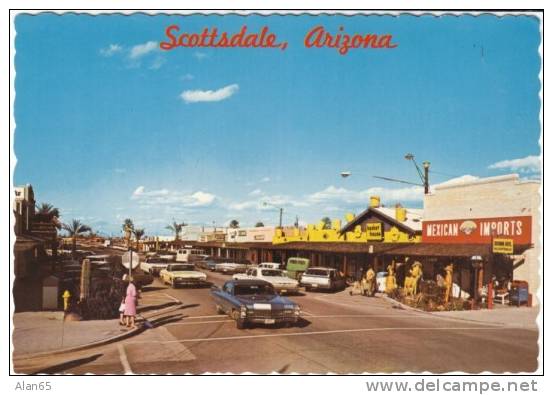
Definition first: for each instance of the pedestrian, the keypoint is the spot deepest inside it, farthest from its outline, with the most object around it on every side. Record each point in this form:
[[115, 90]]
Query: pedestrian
[[130, 302], [122, 312]]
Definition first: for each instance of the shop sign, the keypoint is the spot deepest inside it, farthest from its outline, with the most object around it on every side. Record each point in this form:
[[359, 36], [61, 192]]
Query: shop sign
[[259, 237], [374, 231], [503, 246], [478, 230]]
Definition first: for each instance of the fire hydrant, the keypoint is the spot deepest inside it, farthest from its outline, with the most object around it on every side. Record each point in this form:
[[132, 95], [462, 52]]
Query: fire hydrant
[[66, 295]]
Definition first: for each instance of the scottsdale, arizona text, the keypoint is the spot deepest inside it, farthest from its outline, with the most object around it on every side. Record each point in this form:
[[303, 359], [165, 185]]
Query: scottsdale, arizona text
[[317, 37]]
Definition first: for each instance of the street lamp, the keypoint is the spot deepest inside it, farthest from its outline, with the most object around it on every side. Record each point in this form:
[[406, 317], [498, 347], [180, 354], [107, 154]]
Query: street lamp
[[280, 210], [423, 177]]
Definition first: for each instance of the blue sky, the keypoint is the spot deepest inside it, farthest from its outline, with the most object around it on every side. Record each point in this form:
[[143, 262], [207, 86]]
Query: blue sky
[[110, 127]]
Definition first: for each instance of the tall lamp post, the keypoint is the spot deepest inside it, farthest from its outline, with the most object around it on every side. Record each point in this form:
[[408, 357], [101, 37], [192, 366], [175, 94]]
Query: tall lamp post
[[280, 212], [423, 174]]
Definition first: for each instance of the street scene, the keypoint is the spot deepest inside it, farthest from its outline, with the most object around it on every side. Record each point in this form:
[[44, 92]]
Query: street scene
[[280, 194], [336, 333]]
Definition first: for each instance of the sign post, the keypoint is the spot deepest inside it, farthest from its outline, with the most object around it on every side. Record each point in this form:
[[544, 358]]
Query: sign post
[[130, 261]]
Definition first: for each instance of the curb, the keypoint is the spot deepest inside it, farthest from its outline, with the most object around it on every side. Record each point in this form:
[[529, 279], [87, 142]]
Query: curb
[[400, 305], [102, 342], [439, 314]]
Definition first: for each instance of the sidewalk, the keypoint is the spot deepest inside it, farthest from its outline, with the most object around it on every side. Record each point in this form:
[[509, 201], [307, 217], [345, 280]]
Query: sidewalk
[[521, 317], [46, 331]]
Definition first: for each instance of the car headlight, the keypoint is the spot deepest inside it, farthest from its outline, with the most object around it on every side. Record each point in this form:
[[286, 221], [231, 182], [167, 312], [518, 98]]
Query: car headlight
[[297, 310], [243, 311]]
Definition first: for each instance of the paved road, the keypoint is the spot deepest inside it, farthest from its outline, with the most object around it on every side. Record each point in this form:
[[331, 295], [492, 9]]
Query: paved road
[[338, 333]]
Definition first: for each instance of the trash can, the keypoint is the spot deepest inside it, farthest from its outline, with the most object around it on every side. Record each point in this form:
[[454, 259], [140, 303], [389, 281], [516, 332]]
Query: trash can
[[50, 292], [519, 293]]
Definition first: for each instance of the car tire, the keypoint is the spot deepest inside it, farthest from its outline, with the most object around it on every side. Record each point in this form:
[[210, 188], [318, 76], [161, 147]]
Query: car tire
[[219, 309], [173, 284], [307, 289], [241, 324]]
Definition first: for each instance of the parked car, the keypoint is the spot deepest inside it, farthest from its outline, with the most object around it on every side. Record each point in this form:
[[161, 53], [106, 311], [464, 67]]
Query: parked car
[[153, 265], [322, 278], [276, 277], [269, 265], [182, 274], [210, 262], [231, 267], [296, 266], [189, 254], [254, 301]]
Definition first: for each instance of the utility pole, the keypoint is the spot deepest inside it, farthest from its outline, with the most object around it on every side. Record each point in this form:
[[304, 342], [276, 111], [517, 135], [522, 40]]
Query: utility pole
[[426, 166], [280, 219]]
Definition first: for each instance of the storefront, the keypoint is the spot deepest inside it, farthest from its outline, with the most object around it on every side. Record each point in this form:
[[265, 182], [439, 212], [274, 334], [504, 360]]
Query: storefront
[[494, 222]]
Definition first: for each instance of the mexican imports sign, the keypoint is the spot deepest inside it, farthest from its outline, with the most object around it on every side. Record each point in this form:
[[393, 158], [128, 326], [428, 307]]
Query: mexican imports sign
[[478, 230]]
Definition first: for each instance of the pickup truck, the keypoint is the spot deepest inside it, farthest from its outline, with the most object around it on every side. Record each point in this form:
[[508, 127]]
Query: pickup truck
[[322, 278], [182, 274], [276, 277]]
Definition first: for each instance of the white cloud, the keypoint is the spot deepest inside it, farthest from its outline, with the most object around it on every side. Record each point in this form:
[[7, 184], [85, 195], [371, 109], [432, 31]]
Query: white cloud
[[120, 170], [255, 192], [111, 50], [187, 77], [195, 96], [143, 49], [157, 63], [343, 195], [458, 180], [265, 179], [530, 164], [171, 199], [200, 55]]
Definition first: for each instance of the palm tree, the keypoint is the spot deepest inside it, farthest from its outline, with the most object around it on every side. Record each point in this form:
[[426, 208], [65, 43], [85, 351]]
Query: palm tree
[[176, 229], [128, 227], [259, 224], [234, 224], [47, 212], [74, 229], [138, 233]]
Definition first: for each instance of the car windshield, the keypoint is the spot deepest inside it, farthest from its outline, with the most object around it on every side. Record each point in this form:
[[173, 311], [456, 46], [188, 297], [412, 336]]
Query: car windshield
[[317, 272], [254, 289], [271, 273], [179, 268]]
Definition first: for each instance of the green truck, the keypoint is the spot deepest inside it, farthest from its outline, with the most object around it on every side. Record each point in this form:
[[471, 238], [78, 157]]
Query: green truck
[[296, 266]]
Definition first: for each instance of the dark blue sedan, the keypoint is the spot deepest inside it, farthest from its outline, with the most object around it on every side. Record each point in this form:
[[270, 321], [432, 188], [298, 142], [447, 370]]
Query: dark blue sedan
[[254, 301]]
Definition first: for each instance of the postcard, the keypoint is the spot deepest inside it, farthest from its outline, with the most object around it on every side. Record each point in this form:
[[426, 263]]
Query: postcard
[[341, 192]]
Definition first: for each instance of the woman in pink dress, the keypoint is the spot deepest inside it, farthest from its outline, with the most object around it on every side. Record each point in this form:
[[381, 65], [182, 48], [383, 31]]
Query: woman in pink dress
[[130, 304]]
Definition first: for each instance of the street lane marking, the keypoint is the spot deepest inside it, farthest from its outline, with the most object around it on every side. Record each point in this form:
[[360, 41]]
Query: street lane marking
[[172, 297], [203, 316], [123, 359], [207, 339], [306, 312], [197, 323]]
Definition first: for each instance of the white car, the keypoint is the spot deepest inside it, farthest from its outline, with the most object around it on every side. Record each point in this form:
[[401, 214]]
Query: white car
[[182, 274], [153, 265], [276, 277], [231, 267]]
